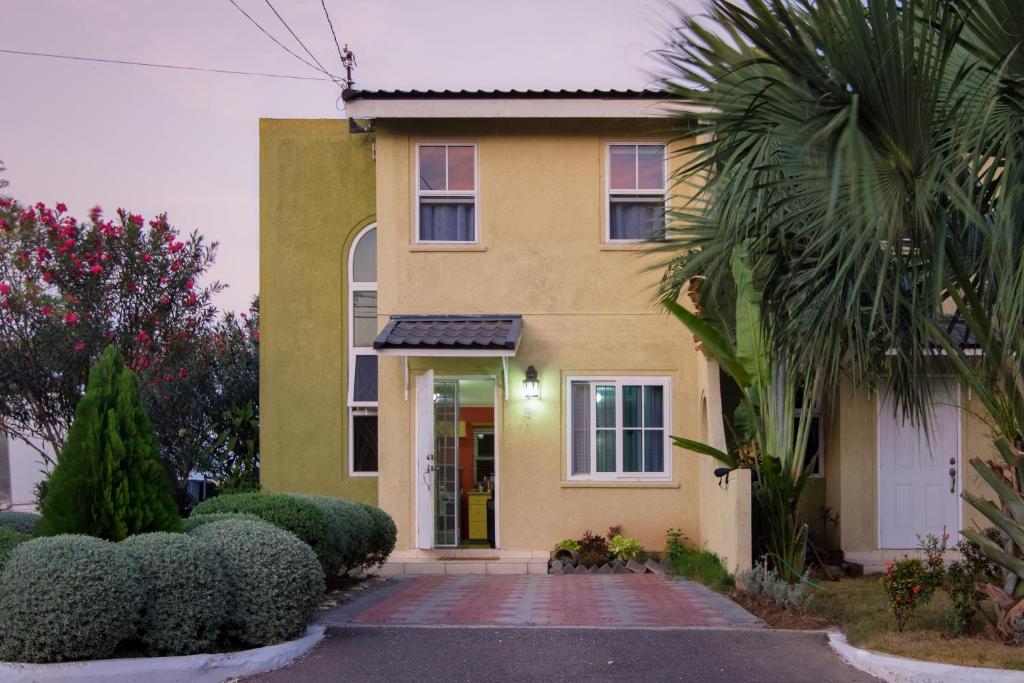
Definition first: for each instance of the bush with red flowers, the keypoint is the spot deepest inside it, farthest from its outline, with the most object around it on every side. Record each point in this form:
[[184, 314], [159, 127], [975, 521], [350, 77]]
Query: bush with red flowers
[[908, 583]]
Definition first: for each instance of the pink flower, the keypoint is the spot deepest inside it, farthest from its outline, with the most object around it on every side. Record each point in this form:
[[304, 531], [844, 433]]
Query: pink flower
[[4, 225], [142, 337], [95, 213], [168, 378], [190, 283], [146, 258], [182, 373], [4, 202], [62, 207], [80, 346], [71, 318], [96, 269], [136, 219], [256, 336], [5, 289], [46, 310], [165, 299]]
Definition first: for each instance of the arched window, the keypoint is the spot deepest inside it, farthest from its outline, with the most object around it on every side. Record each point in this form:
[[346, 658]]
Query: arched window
[[362, 362]]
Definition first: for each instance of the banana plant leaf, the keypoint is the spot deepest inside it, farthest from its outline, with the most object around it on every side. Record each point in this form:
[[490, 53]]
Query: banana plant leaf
[[1008, 526], [715, 343], [995, 552], [705, 449], [1006, 494]]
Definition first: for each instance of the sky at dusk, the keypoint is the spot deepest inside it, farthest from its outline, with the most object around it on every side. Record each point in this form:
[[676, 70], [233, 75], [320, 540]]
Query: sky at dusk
[[152, 140]]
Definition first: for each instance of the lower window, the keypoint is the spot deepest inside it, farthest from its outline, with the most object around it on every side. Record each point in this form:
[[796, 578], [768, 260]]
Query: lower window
[[619, 427], [363, 430]]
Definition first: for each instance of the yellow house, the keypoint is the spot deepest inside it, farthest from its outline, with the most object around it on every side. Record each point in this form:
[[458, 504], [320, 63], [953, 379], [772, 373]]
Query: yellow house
[[457, 324]]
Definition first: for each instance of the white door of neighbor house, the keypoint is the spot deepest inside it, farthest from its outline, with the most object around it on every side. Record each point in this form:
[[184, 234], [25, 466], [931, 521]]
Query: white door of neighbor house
[[918, 477], [425, 460]]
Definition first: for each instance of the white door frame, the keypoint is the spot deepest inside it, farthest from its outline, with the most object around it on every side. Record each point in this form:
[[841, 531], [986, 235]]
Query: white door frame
[[959, 465], [497, 454]]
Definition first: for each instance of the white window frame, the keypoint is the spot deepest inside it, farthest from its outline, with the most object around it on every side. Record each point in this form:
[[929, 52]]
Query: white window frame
[[611, 191], [475, 194], [618, 381], [357, 407]]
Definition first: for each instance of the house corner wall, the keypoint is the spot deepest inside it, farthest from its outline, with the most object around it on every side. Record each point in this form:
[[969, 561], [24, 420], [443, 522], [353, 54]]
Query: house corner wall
[[724, 517]]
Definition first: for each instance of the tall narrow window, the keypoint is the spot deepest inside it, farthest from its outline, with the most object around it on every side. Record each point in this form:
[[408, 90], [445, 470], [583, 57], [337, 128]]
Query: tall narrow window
[[446, 193], [362, 366], [636, 192]]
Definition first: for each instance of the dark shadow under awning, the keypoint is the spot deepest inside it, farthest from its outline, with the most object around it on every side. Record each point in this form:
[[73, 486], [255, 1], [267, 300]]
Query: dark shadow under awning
[[450, 335]]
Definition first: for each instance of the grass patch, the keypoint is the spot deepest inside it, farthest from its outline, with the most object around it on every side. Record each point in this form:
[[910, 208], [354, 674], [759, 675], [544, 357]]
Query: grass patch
[[702, 566], [858, 606]]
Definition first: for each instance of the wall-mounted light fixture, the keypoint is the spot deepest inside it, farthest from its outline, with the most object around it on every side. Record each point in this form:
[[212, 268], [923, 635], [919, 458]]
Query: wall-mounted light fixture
[[531, 385]]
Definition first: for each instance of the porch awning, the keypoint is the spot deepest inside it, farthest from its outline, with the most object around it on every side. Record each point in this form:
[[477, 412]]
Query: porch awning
[[450, 335]]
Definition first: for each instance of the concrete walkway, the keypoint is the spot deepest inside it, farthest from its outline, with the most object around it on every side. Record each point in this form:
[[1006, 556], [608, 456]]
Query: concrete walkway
[[561, 628]]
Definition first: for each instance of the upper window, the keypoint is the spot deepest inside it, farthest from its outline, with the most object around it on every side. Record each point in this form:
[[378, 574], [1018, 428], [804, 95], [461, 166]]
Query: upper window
[[446, 191], [619, 427], [362, 365], [636, 192]]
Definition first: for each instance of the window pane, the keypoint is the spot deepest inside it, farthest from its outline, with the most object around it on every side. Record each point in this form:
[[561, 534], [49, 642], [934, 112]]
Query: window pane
[[364, 318], [364, 258], [605, 406], [654, 450], [432, 164], [447, 219], [364, 443], [813, 443], [631, 406], [580, 428], [651, 167], [460, 169], [634, 218], [364, 387], [606, 450], [631, 449], [654, 407], [622, 167]]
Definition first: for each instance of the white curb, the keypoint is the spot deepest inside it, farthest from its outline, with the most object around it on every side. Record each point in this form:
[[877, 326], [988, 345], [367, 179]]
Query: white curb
[[188, 669], [903, 670]]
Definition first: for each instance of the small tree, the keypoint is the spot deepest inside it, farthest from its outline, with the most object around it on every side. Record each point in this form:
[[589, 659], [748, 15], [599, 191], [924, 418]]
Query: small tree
[[108, 481]]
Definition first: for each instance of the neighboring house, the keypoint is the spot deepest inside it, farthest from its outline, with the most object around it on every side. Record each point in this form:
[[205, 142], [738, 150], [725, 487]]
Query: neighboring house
[[458, 324], [21, 468]]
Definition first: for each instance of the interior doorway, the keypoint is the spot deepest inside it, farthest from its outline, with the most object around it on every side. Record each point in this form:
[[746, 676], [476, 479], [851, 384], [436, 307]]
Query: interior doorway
[[457, 455]]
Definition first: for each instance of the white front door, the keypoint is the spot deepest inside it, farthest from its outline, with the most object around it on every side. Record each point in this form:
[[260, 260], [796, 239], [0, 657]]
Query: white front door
[[424, 455], [918, 477]]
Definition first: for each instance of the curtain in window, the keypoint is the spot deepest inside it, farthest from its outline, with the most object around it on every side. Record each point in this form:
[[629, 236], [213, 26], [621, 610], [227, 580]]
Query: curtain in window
[[580, 428], [635, 220], [654, 439], [447, 221]]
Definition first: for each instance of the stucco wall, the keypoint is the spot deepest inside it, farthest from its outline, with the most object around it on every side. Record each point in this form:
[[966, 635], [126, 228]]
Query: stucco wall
[[852, 466], [316, 193], [587, 309]]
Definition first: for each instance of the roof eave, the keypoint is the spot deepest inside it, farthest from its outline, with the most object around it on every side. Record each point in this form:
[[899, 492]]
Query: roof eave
[[517, 108]]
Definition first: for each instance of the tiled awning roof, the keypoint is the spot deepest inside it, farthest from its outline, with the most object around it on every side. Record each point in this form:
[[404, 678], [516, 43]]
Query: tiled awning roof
[[470, 335]]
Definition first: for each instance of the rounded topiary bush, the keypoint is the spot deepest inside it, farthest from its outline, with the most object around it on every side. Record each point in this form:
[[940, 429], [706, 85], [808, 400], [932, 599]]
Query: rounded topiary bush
[[22, 522], [8, 540], [349, 528], [289, 512], [196, 521], [68, 597], [275, 578], [184, 608], [383, 536]]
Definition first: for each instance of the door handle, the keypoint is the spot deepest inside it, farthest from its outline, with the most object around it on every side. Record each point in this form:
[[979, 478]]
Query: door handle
[[952, 480]]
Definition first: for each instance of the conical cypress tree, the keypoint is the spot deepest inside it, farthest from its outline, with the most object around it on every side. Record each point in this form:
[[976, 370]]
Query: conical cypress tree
[[108, 481]]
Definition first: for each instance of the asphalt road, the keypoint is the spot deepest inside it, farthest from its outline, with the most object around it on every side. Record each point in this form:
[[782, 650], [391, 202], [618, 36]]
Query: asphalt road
[[568, 654]]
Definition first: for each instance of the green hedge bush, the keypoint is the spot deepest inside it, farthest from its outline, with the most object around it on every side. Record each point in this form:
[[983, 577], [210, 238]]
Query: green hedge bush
[[383, 536], [68, 597], [349, 528], [196, 521], [22, 522], [8, 540], [276, 579], [184, 607], [286, 511]]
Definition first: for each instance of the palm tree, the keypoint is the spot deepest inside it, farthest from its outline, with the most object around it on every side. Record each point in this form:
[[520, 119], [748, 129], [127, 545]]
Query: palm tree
[[870, 159]]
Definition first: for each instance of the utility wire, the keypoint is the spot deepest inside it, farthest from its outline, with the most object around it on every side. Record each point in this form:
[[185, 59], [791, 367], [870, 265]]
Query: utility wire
[[280, 44], [333, 34], [297, 39], [162, 66]]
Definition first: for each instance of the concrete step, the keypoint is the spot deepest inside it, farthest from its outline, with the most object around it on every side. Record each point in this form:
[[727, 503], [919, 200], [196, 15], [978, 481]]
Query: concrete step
[[435, 567]]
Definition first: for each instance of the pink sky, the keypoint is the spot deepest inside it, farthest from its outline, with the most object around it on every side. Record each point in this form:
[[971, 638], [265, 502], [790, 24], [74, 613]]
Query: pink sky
[[153, 140]]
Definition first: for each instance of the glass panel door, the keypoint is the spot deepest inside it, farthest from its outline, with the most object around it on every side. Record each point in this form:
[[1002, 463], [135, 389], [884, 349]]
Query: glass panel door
[[446, 463]]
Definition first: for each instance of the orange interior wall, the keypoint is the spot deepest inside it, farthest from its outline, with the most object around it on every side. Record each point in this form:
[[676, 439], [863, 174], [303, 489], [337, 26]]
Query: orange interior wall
[[471, 416]]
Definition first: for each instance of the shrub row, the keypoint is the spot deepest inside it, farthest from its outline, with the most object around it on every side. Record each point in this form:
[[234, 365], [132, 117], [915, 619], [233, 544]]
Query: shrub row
[[22, 522], [230, 583], [344, 534], [8, 540]]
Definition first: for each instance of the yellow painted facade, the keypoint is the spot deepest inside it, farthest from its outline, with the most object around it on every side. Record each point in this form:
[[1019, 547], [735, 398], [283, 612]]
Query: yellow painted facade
[[316, 193]]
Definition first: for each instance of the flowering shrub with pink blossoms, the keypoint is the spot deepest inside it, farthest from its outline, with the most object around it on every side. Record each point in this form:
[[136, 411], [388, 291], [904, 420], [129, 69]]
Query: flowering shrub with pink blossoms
[[70, 287]]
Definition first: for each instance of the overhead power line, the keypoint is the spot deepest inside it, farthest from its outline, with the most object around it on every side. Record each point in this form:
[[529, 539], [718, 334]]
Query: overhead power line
[[280, 44], [297, 39], [333, 34], [153, 65]]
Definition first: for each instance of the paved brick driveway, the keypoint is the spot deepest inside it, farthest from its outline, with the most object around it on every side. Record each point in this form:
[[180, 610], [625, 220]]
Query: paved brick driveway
[[617, 600]]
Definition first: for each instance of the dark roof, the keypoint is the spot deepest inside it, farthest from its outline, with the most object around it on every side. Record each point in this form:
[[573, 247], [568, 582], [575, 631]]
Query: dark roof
[[349, 95], [455, 332], [958, 333]]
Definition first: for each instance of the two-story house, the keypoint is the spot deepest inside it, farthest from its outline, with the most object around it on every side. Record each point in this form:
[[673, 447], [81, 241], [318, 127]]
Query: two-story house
[[459, 324]]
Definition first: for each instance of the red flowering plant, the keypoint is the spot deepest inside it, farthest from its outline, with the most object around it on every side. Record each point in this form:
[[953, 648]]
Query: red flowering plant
[[68, 288], [908, 583]]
